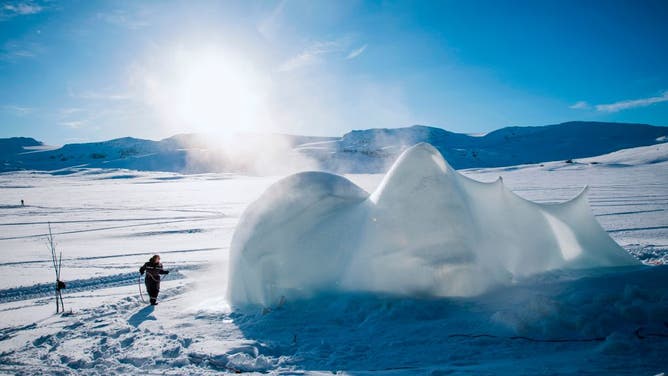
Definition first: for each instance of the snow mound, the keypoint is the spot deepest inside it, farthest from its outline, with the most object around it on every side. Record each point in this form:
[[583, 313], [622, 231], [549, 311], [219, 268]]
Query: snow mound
[[426, 231]]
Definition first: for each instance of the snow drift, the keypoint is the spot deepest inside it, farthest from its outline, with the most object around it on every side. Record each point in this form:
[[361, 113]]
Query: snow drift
[[426, 230]]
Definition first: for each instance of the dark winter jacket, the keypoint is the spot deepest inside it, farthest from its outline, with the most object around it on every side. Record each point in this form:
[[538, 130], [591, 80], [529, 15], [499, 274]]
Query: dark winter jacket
[[153, 271]]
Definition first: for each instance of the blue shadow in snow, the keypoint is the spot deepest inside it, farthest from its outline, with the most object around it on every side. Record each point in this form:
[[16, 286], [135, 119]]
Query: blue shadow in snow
[[144, 314], [360, 332], [365, 332]]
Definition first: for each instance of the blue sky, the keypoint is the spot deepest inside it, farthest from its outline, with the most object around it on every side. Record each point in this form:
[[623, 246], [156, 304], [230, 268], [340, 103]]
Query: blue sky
[[75, 71]]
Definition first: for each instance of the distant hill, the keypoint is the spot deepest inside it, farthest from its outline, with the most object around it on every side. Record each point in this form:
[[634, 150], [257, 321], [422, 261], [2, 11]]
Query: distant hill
[[186, 153], [97, 154], [15, 145], [370, 150], [375, 149]]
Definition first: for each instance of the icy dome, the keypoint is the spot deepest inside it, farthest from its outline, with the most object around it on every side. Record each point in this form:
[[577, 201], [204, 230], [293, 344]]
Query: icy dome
[[427, 230]]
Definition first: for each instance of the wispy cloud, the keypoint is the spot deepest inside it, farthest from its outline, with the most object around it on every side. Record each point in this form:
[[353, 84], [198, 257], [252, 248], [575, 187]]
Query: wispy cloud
[[14, 50], [581, 105], [128, 20], [272, 22], [74, 124], [632, 103], [17, 110], [74, 117], [90, 119], [299, 61], [356, 52], [313, 54], [71, 110], [106, 95], [318, 51], [19, 8]]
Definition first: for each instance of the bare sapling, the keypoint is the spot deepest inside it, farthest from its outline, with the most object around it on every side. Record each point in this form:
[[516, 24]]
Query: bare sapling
[[57, 263]]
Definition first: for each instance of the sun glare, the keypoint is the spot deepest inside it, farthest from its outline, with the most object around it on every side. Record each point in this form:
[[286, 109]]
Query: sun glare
[[210, 91]]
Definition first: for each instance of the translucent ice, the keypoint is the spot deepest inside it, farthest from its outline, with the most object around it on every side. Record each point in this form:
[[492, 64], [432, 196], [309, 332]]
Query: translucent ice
[[426, 230]]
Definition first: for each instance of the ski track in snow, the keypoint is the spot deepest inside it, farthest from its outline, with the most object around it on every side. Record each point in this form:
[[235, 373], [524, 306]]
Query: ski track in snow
[[193, 331], [77, 285]]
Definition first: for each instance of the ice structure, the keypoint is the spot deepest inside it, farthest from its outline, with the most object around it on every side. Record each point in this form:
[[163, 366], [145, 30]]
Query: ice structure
[[426, 230]]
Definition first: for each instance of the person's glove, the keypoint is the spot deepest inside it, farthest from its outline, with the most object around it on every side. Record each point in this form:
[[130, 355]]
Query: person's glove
[[141, 273], [166, 271]]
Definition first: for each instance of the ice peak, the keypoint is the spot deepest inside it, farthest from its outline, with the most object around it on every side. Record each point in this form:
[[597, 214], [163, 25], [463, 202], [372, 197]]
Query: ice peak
[[415, 166], [424, 154]]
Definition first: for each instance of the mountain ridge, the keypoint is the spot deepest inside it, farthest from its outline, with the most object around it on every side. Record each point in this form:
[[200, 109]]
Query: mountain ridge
[[367, 150], [503, 147]]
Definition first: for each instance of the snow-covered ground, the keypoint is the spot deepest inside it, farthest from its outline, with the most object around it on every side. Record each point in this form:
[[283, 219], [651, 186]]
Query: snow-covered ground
[[108, 222]]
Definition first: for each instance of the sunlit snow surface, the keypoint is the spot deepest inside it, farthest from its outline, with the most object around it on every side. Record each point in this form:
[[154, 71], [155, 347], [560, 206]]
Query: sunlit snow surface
[[109, 222]]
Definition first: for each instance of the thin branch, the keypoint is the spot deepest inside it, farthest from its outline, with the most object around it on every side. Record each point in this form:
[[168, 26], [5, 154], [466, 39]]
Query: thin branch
[[60, 263]]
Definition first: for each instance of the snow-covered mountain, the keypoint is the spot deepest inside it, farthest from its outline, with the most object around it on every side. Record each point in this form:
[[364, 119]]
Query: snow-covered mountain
[[100, 154], [375, 149], [371, 150], [15, 145], [186, 153]]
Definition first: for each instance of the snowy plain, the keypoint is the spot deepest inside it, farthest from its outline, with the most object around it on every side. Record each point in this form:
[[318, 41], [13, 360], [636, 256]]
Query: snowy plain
[[108, 222]]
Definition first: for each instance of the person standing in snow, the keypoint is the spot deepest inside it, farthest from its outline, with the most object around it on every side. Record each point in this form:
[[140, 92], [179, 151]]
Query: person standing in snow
[[153, 269]]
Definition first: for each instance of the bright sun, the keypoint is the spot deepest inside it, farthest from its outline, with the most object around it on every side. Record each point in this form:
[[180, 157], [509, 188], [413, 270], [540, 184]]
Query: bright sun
[[208, 90]]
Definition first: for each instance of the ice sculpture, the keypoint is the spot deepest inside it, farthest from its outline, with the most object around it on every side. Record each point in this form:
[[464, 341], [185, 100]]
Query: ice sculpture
[[426, 230]]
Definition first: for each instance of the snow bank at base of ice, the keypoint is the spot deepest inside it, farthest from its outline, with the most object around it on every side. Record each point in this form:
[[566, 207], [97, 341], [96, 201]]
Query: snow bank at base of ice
[[426, 230], [561, 322]]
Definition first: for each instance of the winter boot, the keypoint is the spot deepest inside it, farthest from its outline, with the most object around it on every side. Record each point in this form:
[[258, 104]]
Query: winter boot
[[153, 302]]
